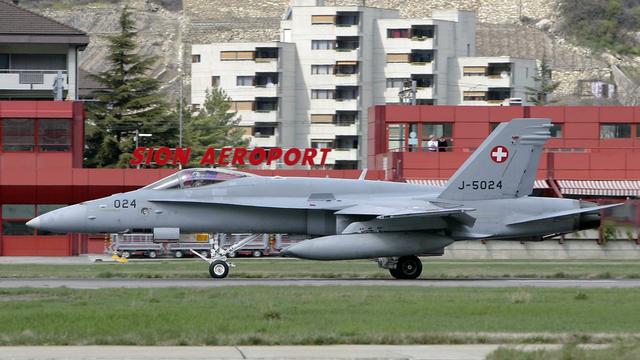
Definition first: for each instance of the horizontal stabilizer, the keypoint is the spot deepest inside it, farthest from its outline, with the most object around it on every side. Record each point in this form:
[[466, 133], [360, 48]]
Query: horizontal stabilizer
[[559, 214]]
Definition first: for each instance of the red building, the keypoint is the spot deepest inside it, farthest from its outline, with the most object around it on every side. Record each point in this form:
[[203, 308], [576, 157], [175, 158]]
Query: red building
[[41, 145], [595, 150]]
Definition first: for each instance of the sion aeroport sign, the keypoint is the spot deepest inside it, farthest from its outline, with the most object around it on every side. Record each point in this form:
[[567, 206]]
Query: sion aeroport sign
[[230, 156]]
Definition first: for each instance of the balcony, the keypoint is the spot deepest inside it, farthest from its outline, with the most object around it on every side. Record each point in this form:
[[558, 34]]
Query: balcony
[[347, 18], [499, 70], [397, 69], [264, 141], [266, 54], [30, 79], [347, 43], [422, 32], [498, 95]]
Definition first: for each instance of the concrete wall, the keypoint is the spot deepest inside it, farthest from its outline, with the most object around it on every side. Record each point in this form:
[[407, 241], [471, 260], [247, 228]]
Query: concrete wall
[[544, 250]]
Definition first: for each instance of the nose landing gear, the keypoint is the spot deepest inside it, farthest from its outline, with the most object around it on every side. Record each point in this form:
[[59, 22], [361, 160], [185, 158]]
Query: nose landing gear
[[219, 264]]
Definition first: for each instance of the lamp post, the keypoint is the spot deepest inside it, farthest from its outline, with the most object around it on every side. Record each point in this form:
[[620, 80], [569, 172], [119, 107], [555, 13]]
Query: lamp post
[[137, 137]]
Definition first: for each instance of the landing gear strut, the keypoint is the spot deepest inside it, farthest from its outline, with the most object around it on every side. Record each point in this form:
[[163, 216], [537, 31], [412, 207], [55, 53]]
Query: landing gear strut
[[219, 264], [404, 267]]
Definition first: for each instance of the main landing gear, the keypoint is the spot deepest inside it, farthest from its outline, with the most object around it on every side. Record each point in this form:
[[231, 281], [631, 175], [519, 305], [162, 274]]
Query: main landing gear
[[404, 267], [219, 264]]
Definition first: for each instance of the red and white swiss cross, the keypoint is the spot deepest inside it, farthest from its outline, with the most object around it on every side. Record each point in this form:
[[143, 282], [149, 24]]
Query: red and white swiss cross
[[499, 154]]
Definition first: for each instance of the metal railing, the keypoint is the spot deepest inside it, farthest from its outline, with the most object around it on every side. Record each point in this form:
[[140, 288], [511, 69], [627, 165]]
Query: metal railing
[[31, 76]]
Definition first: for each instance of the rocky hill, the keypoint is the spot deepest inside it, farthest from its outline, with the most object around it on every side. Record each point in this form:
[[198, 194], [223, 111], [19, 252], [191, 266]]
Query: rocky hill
[[520, 28]]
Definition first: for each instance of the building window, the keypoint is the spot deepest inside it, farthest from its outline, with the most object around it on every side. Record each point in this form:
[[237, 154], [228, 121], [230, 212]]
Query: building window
[[321, 144], [397, 33], [393, 83], [322, 94], [244, 81], [54, 135], [195, 58], [237, 55], [444, 130], [474, 71], [398, 58], [475, 96], [615, 131], [18, 134], [321, 69], [396, 137], [215, 81], [4, 61], [15, 217], [266, 104], [264, 131], [321, 118], [322, 44], [323, 19], [556, 130]]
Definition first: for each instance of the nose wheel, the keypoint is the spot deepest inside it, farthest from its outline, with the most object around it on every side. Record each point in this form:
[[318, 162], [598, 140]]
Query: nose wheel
[[218, 264], [218, 269]]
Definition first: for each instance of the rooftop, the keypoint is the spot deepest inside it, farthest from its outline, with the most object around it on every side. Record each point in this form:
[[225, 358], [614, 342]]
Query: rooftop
[[21, 25]]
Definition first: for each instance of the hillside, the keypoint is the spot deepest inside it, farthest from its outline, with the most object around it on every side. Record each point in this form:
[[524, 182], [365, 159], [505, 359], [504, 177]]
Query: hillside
[[167, 28]]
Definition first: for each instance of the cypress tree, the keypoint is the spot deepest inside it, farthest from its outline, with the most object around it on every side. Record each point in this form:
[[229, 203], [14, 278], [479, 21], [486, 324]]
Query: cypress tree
[[130, 101]]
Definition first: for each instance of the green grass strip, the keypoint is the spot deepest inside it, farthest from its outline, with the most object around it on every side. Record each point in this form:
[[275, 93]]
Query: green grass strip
[[313, 315]]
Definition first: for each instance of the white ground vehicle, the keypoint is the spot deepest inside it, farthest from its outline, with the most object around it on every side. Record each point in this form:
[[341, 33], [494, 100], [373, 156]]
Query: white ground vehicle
[[142, 244]]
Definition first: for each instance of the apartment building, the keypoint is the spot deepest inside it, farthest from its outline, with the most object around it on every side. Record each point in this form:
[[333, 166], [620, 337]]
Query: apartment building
[[34, 52], [315, 85]]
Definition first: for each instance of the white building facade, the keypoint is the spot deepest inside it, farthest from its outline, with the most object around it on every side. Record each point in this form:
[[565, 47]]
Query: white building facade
[[314, 86]]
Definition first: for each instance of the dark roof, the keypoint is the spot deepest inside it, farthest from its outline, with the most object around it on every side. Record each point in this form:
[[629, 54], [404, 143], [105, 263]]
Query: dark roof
[[15, 20]]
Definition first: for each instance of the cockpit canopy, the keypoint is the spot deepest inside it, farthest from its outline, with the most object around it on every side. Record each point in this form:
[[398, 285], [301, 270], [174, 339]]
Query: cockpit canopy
[[192, 178]]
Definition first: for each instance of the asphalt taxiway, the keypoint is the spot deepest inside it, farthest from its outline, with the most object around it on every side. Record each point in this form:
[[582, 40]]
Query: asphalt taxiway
[[211, 283], [340, 352]]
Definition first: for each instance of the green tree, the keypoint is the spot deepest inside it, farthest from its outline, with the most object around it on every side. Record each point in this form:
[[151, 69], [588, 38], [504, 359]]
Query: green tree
[[213, 126], [539, 95], [130, 102]]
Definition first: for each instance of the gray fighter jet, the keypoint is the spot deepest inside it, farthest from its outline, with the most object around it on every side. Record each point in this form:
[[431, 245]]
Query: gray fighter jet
[[487, 198]]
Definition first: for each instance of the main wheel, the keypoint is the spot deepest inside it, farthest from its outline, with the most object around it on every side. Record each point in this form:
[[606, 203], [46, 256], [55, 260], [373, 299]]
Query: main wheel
[[218, 269], [178, 254], [256, 253], [125, 254], [408, 267], [153, 254]]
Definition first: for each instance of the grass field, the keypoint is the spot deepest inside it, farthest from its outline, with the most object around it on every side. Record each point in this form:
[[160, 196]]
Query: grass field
[[619, 351], [311, 315], [283, 268]]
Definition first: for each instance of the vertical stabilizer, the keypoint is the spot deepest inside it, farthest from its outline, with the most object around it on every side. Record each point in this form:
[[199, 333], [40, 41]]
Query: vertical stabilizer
[[505, 164]]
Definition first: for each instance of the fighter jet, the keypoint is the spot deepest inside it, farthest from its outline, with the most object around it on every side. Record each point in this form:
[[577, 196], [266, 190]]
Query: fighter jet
[[391, 222]]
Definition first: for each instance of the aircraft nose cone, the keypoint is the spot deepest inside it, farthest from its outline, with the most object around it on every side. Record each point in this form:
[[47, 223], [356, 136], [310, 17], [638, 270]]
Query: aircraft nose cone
[[34, 223], [68, 219]]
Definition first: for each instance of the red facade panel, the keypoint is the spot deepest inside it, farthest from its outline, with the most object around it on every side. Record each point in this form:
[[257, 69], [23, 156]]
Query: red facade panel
[[36, 245], [472, 114], [616, 114], [437, 113], [500, 114]]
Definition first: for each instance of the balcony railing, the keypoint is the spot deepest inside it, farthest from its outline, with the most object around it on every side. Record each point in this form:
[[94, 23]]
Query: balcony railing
[[17, 79]]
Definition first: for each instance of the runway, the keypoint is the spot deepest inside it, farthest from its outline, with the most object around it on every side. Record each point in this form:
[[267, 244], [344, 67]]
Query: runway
[[211, 283]]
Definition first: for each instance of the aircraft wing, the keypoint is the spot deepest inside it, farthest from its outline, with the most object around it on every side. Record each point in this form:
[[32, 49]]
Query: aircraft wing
[[404, 218], [560, 214]]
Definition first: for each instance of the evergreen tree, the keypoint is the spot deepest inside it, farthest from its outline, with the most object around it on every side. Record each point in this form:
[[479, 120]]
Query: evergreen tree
[[539, 95], [213, 126], [130, 101]]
